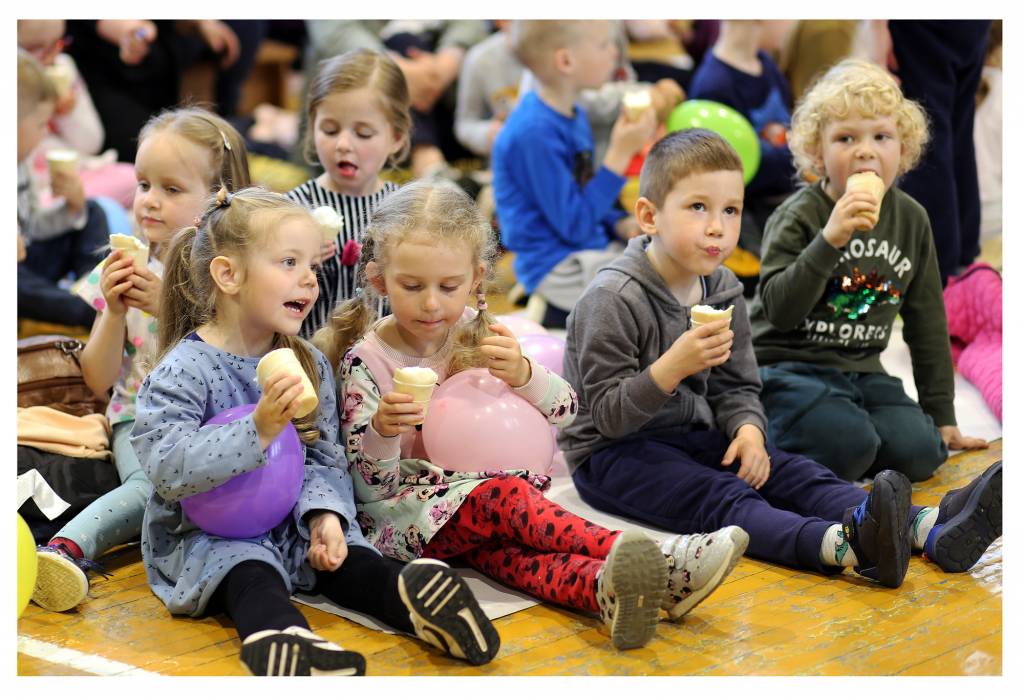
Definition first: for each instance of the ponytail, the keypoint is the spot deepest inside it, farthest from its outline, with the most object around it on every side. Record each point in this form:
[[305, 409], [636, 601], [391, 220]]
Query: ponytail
[[184, 304]]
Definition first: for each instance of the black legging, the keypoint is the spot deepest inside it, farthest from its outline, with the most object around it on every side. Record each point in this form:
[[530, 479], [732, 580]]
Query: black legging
[[255, 597]]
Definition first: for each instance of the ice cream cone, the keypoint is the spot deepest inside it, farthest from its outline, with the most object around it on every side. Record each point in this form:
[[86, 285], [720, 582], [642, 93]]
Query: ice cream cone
[[61, 77], [636, 102], [418, 382], [701, 314], [132, 247], [329, 221], [285, 359], [62, 159], [871, 183]]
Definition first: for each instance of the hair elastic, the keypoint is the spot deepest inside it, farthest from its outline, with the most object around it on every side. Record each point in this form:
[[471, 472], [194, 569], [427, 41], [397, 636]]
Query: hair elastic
[[481, 301]]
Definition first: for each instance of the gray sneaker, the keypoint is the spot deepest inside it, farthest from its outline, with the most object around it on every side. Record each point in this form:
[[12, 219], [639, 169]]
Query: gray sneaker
[[630, 588], [697, 564]]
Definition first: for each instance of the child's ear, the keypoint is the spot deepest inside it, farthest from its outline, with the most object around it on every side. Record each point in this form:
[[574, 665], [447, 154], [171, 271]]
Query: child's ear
[[226, 274], [375, 276], [645, 211], [478, 276], [564, 60]]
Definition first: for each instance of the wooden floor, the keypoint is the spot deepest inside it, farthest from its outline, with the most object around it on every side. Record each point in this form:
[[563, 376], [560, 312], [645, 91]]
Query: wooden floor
[[764, 620]]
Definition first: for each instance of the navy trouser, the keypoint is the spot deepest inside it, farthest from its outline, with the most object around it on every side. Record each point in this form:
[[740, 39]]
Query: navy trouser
[[48, 261], [940, 64], [854, 423], [676, 483]]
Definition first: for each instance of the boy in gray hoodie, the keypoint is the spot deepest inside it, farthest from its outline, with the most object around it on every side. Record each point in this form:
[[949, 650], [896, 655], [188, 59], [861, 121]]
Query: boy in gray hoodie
[[670, 430]]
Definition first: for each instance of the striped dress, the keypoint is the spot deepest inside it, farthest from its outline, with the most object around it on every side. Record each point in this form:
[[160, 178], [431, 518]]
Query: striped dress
[[337, 281]]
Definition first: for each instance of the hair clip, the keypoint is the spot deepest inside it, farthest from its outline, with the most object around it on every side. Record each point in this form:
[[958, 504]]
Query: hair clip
[[224, 197], [224, 138], [359, 291]]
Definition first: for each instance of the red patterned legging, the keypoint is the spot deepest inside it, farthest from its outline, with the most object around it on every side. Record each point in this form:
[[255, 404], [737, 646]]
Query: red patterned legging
[[508, 530]]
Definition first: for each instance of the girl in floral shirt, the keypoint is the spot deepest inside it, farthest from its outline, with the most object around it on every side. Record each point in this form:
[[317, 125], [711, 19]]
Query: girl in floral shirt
[[184, 155], [428, 250]]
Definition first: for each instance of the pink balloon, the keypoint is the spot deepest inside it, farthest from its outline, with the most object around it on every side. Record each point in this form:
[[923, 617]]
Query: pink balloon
[[548, 350], [477, 423], [252, 503], [520, 325]]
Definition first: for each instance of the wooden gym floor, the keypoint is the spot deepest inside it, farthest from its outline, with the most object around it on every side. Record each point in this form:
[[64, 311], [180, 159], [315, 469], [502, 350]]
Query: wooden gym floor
[[764, 620]]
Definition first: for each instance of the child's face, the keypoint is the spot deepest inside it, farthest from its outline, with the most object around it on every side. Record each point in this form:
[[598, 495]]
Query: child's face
[[428, 285], [32, 128], [279, 284], [173, 183], [595, 54], [698, 225], [353, 140], [857, 144]]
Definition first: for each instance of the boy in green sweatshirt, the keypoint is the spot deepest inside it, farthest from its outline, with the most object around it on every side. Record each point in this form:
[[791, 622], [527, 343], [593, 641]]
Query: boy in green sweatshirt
[[838, 265]]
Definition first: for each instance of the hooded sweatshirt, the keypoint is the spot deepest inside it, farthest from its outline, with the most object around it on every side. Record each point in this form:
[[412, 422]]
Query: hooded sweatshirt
[[625, 320]]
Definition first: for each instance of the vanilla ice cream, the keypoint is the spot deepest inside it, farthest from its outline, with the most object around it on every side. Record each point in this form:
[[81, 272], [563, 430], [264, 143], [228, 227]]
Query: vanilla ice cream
[[636, 102], [701, 314], [329, 222], [132, 247], [418, 382]]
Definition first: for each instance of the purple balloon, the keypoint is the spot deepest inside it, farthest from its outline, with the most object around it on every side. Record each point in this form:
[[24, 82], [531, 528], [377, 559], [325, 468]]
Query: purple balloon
[[252, 503], [546, 349]]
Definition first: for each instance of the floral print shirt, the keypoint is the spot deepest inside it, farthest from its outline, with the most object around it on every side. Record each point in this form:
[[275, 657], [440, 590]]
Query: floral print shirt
[[403, 499]]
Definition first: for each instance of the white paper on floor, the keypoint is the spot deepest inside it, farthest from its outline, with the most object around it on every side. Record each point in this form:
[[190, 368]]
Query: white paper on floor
[[495, 600], [973, 417]]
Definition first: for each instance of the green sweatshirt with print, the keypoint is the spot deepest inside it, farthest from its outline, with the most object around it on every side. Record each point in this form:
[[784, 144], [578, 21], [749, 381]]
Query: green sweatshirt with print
[[835, 307]]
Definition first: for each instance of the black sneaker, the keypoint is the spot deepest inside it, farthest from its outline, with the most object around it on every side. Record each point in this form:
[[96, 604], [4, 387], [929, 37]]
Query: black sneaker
[[878, 530], [298, 652], [444, 612], [969, 519]]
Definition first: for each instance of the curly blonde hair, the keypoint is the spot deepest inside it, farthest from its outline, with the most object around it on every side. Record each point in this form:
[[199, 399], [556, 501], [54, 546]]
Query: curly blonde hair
[[855, 87]]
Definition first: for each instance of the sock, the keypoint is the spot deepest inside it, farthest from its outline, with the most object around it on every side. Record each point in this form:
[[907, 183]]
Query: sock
[[835, 550], [69, 546], [923, 524]]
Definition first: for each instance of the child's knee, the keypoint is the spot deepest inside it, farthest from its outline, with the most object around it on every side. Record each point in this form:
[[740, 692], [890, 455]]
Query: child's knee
[[915, 453]]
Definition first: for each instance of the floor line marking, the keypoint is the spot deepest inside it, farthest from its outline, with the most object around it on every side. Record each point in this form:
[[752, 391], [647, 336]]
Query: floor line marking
[[90, 663]]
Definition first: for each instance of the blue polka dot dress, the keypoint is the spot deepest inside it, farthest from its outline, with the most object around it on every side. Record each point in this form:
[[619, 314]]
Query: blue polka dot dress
[[194, 382]]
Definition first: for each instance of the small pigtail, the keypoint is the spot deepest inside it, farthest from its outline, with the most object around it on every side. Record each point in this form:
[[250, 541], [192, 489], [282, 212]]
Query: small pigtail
[[466, 346]]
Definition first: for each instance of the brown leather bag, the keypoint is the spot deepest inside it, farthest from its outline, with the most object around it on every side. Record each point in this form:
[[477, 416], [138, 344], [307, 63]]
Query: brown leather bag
[[50, 374]]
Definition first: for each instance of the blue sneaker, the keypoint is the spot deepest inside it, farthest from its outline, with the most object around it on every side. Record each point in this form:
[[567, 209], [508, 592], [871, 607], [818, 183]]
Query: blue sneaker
[[969, 519], [878, 530], [61, 581]]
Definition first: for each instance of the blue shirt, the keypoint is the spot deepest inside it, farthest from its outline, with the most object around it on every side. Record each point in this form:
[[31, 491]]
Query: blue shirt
[[763, 99], [550, 197]]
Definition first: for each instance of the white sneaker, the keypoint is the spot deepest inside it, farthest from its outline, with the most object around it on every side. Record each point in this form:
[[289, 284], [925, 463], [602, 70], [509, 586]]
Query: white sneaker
[[630, 589], [697, 564], [444, 612], [298, 652]]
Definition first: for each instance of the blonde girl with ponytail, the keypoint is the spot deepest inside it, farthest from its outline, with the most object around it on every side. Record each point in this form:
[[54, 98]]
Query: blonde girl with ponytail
[[428, 250], [237, 286]]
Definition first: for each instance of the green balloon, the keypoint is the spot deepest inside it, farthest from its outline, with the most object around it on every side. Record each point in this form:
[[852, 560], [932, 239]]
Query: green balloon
[[724, 121]]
